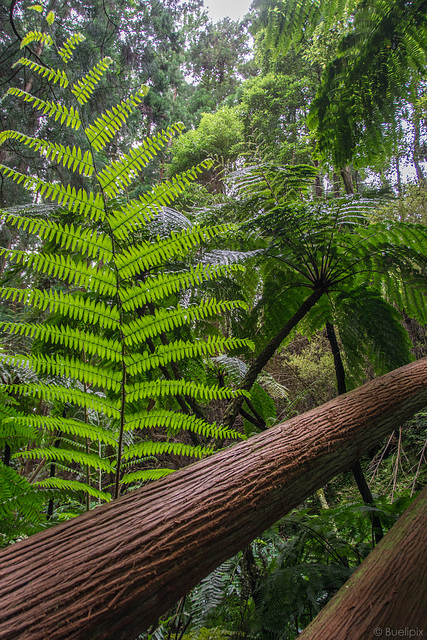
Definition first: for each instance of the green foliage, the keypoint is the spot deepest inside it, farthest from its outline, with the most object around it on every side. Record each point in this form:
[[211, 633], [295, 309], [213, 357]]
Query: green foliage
[[105, 360], [362, 267], [276, 586], [378, 52], [280, 130], [218, 136]]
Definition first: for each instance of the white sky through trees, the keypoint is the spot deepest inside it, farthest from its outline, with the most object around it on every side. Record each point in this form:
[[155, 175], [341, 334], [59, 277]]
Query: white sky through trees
[[235, 9]]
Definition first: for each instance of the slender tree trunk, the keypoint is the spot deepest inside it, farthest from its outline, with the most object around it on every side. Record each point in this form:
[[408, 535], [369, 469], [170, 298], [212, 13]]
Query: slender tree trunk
[[268, 352], [416, 149], [387, 595], [336, 180], [318, 189], [7, 452], [398, 175], [359, 477], [348, 180], [113, 571], [52, 474]]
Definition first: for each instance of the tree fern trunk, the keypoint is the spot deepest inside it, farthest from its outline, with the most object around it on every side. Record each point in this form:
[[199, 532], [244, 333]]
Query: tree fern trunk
[[359, 477], [268, 352], [112, 572]]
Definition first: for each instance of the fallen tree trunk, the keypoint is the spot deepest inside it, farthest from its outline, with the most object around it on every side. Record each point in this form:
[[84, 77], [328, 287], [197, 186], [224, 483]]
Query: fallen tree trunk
[[388, 592], [111, 572]]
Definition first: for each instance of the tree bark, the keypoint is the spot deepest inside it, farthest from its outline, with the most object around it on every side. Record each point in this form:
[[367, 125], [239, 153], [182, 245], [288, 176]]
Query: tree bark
[[388, 592], [112, 572]]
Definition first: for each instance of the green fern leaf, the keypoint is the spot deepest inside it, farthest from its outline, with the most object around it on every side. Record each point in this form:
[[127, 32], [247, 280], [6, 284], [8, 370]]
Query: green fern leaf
[[157, 288], [90, 343], [70, 305], [67, 50], [36, 36], [17, 495], [66, 455], [57, 423], [163, 388], [65, 394], [73, 159], [74, 486], [91, 205], [133, 215], [70, 116], [180, 350], [164, 320], [76, 239], [119, 174], [59, 266], [83, 89], [45, 72], [147, 255], [68, 367], [145, 449], [109, 123], [13, 430], [145, 475], [176, 422]]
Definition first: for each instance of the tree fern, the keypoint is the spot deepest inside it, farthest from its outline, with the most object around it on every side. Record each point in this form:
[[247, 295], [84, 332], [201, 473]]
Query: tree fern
[[107, 346]]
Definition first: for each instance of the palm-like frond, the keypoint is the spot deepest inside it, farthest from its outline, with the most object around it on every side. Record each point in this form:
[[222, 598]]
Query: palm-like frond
[[106, 349]]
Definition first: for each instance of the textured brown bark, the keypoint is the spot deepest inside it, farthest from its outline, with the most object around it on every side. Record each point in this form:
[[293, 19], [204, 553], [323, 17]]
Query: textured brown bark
[[111, 572], [388, 592]]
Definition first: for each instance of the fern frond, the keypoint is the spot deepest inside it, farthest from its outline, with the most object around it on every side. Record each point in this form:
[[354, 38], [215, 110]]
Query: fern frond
[[93, 243], [66, 455], [73, 159], [18, 495], [65, 394], [180, 350], [157, 288], [36, 36], [91, 205], [120, 173], [90, 343], [109, 123], [64, 267], [176, 422], [70, 116], [145, 475], [45, 72], [163, 388], [70, 305], [164, 320], [135, 214], [68, 367], [68, 486], [143, 449], [147, 255], [65, 425], [12, 428], [67, 50], [83, 89]]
